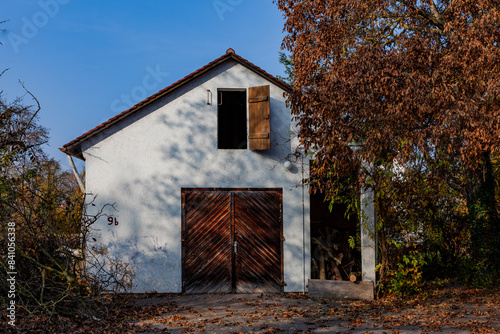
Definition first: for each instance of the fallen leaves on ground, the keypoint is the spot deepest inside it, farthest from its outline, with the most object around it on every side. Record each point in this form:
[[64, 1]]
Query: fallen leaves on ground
[[447, 310]]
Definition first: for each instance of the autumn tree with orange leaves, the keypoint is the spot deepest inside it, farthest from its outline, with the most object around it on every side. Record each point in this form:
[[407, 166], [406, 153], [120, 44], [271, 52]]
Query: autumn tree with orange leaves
[[416, 83]]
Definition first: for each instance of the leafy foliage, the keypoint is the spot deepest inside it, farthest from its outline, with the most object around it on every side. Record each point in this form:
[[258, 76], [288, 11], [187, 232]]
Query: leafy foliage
[[43, 219], [416, 85], [288, 63]]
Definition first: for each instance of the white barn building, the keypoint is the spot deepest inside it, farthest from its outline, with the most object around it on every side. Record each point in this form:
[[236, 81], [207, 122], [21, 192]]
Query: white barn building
[[205, 178], [198, 176]]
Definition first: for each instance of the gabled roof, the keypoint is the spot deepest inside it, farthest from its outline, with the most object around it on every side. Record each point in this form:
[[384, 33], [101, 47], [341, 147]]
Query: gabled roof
[[74, 147]]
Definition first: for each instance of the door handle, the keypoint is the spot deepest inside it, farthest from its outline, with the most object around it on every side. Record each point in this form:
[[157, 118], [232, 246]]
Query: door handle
[[236, 247]]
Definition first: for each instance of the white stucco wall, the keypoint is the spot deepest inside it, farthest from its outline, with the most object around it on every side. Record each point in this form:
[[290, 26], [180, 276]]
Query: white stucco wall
[[142, 163]]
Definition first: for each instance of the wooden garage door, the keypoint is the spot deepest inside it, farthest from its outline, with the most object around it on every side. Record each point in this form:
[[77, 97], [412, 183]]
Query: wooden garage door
[[232, 240]]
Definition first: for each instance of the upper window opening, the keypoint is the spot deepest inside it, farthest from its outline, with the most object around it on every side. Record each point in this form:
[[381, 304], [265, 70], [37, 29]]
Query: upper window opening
[[232, 119]]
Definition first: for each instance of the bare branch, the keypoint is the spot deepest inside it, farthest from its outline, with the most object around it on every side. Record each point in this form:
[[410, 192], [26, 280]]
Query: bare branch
[[38, 106], [434, 11], [4, 72]]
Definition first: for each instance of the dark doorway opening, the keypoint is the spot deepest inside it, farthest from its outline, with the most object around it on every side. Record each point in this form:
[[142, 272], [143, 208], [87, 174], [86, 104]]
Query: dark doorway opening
[[332, 257], [231, 119]]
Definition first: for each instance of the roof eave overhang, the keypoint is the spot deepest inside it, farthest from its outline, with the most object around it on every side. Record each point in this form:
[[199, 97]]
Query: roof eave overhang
[[74, 151]]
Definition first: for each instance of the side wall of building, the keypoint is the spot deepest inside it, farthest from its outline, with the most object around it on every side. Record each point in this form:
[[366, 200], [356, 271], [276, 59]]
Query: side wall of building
[[141, 164]]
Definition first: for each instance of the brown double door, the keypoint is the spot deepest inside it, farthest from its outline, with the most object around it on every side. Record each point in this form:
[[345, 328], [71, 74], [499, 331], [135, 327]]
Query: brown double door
[[232, 240]]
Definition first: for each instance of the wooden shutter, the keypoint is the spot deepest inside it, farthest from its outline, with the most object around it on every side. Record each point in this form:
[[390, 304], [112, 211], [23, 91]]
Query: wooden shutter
[[259, 111]]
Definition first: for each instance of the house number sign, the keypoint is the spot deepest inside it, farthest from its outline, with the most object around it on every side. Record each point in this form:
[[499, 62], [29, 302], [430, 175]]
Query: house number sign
[[112, 220]]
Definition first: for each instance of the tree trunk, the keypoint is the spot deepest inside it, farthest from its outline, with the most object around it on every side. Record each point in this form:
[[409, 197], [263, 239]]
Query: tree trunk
[[483, 216]]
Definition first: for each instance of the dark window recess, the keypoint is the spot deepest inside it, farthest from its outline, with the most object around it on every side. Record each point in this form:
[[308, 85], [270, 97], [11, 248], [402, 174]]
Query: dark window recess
[[232, 120]]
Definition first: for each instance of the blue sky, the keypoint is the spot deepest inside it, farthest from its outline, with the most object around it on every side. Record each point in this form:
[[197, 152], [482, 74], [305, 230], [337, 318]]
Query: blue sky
[[88, 60]]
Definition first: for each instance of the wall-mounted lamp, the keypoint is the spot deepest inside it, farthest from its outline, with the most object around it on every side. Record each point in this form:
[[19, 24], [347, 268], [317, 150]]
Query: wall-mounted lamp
[[209, 96], [288, 165], [288, 162]]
